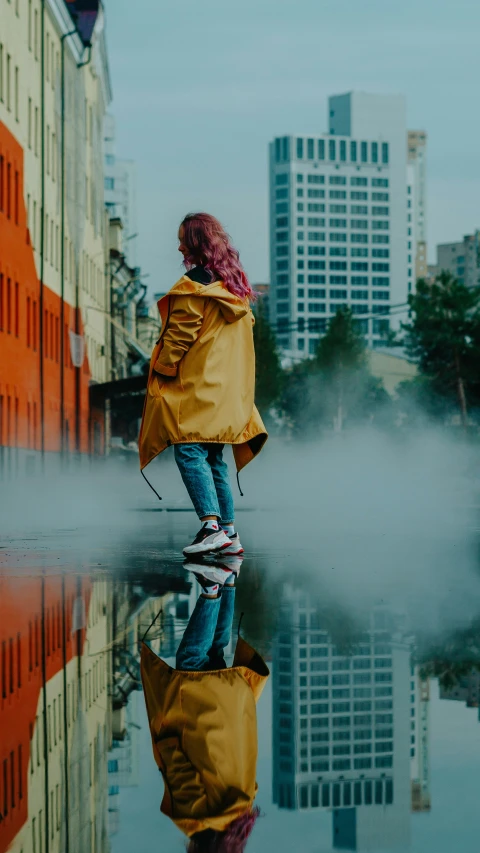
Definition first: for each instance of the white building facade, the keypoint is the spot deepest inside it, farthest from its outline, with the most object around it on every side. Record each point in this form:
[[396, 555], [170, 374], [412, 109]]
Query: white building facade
[[338, 223]]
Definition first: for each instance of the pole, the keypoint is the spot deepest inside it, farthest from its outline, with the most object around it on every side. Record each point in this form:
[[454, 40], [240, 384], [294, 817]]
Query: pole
[[78, 375]]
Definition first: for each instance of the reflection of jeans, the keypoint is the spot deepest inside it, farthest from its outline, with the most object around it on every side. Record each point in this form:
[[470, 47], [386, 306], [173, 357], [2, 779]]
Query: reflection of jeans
[[208, 633], [205, 474]]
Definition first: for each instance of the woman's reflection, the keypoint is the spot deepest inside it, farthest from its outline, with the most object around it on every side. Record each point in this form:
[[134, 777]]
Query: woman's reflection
[[203, 720]]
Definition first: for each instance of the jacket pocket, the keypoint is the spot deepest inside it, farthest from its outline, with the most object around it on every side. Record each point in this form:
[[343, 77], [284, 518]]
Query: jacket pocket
[[156, 386]]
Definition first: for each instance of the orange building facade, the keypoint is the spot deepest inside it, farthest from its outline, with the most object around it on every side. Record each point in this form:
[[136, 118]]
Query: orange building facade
[[54, 677], [53, 231]]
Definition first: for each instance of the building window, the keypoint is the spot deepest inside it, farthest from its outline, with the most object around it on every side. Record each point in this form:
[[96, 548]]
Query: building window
[[343, 150], [109, 183], [363, 152], [321, 149], [286, 148], [353, 151], [332, 149], [316, 179], [300, 149], [384, 152], [359, 223], [374, 152], [310, 149]]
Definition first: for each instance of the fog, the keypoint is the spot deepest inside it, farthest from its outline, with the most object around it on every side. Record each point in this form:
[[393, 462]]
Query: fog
[[358, 517]]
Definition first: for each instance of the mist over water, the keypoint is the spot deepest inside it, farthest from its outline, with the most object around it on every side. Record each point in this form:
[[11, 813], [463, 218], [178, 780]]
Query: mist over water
[[358, 518], [371, 517]]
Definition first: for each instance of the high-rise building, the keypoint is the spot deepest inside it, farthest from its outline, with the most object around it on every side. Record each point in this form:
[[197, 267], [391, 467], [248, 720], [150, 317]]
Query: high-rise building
[[461, 259], [121, 191], [339, 230], [53, 288], [416, 206], [341, 725]]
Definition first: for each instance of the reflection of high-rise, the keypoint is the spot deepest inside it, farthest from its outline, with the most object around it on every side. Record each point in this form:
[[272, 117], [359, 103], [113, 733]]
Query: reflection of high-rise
[[420, 740], [341, 726]]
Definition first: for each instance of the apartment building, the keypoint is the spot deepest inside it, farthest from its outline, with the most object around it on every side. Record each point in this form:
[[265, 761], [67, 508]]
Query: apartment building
[[54, 92]]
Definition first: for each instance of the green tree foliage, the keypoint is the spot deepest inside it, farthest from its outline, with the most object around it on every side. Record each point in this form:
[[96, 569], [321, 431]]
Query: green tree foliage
[[444, 338], [335, 388], [268, 369], [452, 657]]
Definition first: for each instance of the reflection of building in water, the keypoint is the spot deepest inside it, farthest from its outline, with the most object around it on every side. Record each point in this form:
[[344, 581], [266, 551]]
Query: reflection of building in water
[[420, 741], [133, 611], [54, 706], [68, 665], [467, 689], [341, 728]]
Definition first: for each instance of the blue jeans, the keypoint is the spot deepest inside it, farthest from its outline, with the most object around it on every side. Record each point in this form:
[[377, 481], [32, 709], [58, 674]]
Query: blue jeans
[[208, 633], [205, 474]]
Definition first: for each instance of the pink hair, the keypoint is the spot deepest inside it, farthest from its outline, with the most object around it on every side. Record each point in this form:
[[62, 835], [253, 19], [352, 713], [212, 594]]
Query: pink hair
[[233, 840], [209, 244]]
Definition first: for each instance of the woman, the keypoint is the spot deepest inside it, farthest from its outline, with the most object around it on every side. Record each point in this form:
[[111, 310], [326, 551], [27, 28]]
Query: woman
[[203, 723], [201, 386]]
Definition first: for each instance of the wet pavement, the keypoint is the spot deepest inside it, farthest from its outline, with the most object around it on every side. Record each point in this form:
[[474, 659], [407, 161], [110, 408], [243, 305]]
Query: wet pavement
[[368, 728]]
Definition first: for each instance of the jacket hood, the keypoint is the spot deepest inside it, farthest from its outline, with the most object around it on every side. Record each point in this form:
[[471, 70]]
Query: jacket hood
[[232, 307]]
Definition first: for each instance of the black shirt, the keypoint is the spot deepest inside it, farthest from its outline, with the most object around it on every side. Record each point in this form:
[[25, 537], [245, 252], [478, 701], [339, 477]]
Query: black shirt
[[201, 275]]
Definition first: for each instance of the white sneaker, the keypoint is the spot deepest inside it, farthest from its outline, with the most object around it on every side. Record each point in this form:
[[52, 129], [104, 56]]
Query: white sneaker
[[231, 563], [207, 541], [207, 572], [235, 548]]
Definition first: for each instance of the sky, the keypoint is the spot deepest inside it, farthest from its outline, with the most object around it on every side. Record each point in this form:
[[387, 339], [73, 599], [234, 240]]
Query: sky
[[201, 88]]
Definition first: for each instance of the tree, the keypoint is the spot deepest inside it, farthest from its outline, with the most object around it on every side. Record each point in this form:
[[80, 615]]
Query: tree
[[268, 369], [341, 357], [444, 338], [335, 386]]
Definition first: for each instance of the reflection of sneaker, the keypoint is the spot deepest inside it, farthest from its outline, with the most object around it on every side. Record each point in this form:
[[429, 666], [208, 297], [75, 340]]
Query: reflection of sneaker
[[207, 540], [235, 547], [207, 575], [231, 563]]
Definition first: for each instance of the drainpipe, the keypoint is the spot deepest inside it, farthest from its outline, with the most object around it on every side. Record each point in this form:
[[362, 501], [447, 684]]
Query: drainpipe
[[46, 744], [78, 375], [42, 228], [66, 767], [62, 251]]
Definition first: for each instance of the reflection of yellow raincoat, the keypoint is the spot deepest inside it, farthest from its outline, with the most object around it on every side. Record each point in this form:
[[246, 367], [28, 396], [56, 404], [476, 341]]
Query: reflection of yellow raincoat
[[206, 350], [204, 735]]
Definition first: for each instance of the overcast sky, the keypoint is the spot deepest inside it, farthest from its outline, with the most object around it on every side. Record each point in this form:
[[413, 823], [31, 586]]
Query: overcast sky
[[200, 88]]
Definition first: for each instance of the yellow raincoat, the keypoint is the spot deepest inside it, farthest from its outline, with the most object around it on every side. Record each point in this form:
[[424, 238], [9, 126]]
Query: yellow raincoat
[[206, 350], [204, 735]]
